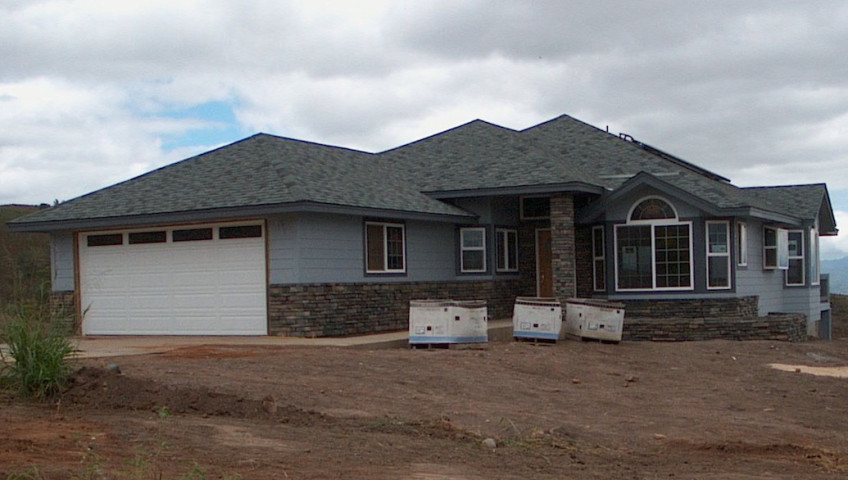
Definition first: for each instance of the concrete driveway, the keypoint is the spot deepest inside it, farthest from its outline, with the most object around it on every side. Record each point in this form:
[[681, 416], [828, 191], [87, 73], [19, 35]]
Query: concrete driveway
[[115, 346]]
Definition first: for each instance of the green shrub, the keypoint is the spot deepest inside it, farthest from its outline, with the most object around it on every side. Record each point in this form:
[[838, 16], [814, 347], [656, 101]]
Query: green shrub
[[38, 360]]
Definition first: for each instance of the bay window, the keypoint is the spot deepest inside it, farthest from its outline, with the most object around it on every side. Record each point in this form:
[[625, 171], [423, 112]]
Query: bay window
[[654, 249], [718, 255], [815, 266], [741, 244], [775, 248], [795, 271]]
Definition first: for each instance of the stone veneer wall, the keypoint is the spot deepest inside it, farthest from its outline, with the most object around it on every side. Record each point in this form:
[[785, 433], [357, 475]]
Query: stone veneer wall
[[63, 311], [742, 307], [562, 246], [790, 327], [320, 310]]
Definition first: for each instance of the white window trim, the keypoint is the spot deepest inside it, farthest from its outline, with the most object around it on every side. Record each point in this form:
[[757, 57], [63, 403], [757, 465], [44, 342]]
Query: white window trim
[[781, 248], [521, 207], [385, 226], [725, 254], [502, 239], [815, 260], [653, 224], [598, 256], [797, 257], [463, 249], [741, 244]]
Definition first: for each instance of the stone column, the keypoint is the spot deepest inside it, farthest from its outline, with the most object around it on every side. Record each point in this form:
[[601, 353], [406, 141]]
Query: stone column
[[562, 246]]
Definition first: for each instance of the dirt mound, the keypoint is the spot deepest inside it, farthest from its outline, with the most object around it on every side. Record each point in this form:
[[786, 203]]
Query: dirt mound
[[93, 387], [824, 459]]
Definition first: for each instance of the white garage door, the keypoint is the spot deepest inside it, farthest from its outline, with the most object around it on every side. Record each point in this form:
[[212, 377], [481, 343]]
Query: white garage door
[[193, 280]]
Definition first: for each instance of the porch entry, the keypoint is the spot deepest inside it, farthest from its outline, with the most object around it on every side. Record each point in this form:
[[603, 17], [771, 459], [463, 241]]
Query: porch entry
[[544, 268]]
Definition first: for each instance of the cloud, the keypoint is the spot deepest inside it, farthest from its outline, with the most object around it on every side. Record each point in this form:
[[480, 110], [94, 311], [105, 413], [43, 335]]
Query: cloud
[[752, 90], [59, 140]]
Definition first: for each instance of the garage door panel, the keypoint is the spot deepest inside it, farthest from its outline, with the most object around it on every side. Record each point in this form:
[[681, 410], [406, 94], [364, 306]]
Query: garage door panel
[[212, 287], [238, 301]]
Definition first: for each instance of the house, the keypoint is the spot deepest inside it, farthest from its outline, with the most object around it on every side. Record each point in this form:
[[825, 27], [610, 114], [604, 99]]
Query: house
[[277, 236]]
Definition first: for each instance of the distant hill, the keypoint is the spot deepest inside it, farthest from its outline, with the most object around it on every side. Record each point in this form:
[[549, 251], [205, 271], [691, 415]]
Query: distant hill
[[838, 271]]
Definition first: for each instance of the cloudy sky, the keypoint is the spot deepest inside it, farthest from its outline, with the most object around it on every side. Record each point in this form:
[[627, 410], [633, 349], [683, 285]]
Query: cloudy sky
[[94, 92]]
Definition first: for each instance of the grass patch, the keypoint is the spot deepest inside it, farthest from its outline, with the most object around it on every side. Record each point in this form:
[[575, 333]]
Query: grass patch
[[37, 363]]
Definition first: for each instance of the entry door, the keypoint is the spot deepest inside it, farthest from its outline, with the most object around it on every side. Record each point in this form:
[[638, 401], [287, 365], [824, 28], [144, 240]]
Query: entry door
[[544, 269]]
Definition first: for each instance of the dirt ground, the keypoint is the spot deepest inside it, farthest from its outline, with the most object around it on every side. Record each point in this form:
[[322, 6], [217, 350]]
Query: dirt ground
[[697, 410]]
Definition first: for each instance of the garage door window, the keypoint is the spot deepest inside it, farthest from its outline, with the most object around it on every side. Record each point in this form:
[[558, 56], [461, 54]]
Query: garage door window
[[105, 240], [192, 235], [245, 231], [147, 237]]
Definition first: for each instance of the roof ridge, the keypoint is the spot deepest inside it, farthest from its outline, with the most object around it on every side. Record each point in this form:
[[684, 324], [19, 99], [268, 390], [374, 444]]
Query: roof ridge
[[310, 142], [637, 144], [795, 185], [476, 121]]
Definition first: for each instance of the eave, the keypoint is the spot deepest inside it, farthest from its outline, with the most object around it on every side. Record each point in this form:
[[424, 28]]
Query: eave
[[228, 214], [570, 187]]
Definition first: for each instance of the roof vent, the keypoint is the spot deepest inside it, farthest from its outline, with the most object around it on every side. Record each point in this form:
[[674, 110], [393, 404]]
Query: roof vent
[[626, 137]]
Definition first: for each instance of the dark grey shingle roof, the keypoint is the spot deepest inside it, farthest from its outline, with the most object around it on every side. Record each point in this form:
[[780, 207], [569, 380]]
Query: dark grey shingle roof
[[804, 201], [481, 155], [614, 160], [257, 171], [266, 170]]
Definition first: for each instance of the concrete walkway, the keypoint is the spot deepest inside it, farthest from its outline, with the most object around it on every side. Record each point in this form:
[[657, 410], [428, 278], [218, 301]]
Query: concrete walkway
[[113, 346]]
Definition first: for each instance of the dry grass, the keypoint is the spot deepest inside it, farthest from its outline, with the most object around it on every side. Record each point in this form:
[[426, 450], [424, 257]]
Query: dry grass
[[24, 262], [839, 315]]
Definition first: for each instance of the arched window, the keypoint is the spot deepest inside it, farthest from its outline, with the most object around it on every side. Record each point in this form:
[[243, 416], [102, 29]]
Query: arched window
[[652, 209], [653, 249]]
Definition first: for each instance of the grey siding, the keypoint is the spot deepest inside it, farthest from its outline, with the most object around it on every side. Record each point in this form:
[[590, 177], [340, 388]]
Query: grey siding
[[431, 252], [769, 285], [62, 261], [326, 248], [282, 249], [753, 280], [330, 249], [502, 211], [480, 206]]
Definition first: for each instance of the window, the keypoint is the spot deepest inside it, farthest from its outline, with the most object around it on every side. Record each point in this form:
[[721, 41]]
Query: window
[[652, 209], [775, 248], [472, 247], [385, 250], [741, 244], [191, 235], [653, 251], [599, 263], [795, 272], [244, 231], [147, 237], [507, 250], [718, 255], [105, 240], [815, 266], [535, 208]]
